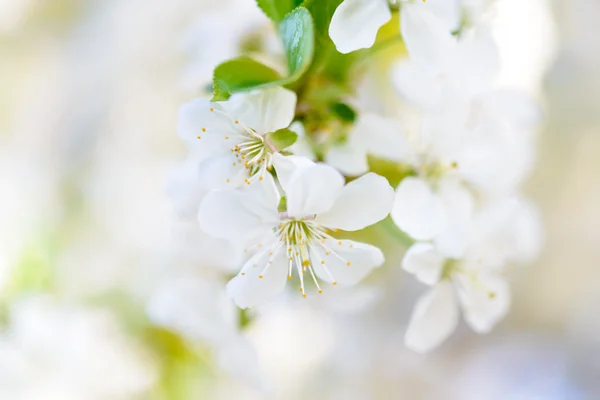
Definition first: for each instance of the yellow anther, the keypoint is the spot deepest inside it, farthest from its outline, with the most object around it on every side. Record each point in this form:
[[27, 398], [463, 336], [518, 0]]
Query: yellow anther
[[304, 295], [237, 122], [260, 277], [348, 263], [289, 277], [243, 273], [227, 180], [234, 164], [326, 253], [212, 109], [320, 291], [334, 282], [198, 137], [260, 179], [322, 262], [340, 243], [305, 263], [271, 253], [226, 137], [203, 129]]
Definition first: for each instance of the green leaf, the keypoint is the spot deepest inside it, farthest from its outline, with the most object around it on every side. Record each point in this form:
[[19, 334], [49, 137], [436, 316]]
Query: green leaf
[[297, 32], [241, 74], [322, 12], [277, 9], [282, 138], [344, 112]]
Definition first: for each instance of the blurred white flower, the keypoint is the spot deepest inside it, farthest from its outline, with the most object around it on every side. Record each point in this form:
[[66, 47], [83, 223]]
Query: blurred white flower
[[231, 135], [505, 232], [317, 200], [62, 352]]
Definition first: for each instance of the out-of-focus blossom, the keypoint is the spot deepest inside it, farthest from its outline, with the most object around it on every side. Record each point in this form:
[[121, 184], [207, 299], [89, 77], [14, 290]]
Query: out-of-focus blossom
[[55, 351]]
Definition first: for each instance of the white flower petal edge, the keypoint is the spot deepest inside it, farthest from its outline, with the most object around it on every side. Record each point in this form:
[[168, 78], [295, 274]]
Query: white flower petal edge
[[362, 202], [486, 303], [265, 110], [434, 318], [262, 277], [240, 215], [427, 38], [417, 210], [289, 166], [425, 262], [348, 158], [380, 136], [313, 190], [345, 261], [355, 23]]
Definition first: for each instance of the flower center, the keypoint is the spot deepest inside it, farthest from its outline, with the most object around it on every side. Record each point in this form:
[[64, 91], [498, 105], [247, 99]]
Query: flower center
[[254, 153], [303, 240]]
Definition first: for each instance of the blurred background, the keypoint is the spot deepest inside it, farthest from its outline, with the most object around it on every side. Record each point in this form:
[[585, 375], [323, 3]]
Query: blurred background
[[89, 91]]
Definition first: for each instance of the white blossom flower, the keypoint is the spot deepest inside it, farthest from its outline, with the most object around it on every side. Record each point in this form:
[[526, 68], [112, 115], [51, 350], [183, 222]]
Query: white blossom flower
[[355, 22], [475, 282], [230, 137], [55, 351], [317, 200], [482, 293], [471, 143]]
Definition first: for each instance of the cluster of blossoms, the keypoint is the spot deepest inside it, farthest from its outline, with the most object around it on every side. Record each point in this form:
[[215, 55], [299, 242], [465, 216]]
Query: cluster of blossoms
[[279, 168]]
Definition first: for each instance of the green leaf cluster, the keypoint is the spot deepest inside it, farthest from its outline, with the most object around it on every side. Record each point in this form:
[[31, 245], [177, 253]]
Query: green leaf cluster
[[311, 55]]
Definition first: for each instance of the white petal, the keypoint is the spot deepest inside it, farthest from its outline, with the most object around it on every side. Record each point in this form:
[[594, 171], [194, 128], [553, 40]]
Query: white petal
[[380, 136], [313, 190], [458, 205], [426, 37], [348, 158], [447, 11], [345, 261], [240, 215], [416, 86], [484, 301], [425, 262], [476, 62], [264, 110], [287, 166], [302, 145], [434, 318], [355, 23], [361, 203], [247, 289], [221, 171], [194, 307], [417, 210], [201, 117]]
